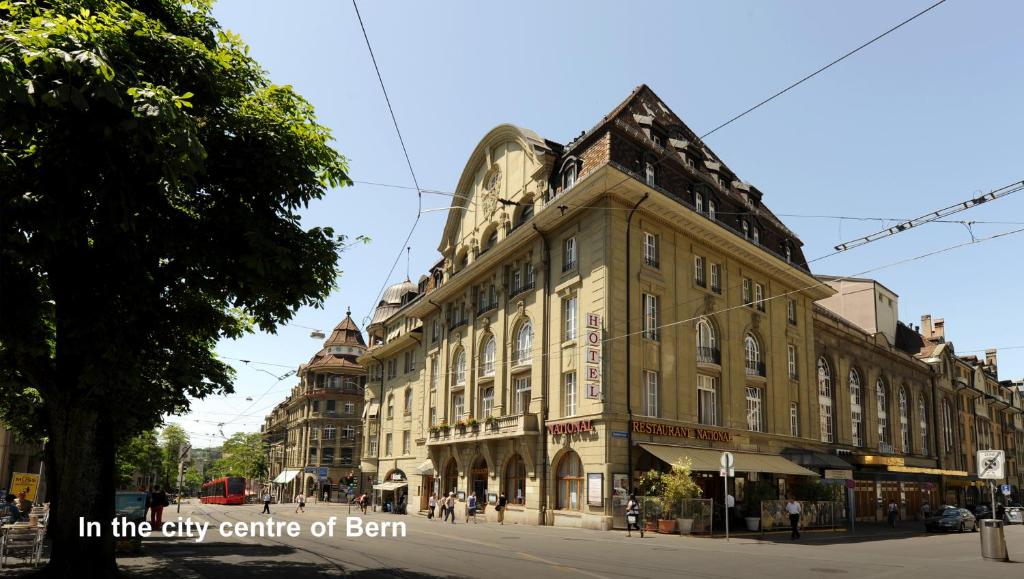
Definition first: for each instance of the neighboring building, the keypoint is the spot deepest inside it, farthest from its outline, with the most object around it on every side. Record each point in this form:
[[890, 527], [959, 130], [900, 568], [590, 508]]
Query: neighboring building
[[622, 302], [313, 436], [18, 455]]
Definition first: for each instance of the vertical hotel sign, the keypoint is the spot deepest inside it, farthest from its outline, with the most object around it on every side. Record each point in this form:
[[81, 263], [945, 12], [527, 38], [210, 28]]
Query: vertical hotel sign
[[594, 346]]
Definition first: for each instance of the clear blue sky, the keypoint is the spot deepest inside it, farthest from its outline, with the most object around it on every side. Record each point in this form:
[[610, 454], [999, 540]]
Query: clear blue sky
[[922, 119]]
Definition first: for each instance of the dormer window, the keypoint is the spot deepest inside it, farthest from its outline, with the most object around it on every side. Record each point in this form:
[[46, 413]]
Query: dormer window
[[698, 202], [649, 173], [789, 253], [492, 240], [568, 176], [757, 235], [464, 261], [746, 229], [711, 209]]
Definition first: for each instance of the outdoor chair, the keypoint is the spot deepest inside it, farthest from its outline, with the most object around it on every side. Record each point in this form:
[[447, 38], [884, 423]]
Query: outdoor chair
[[23, 541]]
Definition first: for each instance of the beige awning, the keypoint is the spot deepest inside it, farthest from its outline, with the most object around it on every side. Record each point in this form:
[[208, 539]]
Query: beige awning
[[287, 475], [371, 409], [708, 459], [390, 486], [427, 467]]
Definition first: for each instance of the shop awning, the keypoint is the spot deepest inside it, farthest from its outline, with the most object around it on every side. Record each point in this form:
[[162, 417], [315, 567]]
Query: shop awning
[[389, 486], [707, 459], [813, 459], [287, 475], [371, 409], [427, 467]]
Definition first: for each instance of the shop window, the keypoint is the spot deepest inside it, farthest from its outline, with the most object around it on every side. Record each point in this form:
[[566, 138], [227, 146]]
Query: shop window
[[825, 400], [570, 483], [515, 480], [856, 408]]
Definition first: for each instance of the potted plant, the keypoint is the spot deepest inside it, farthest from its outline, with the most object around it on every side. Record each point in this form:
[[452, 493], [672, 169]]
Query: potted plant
[[650, 486], [444, 427], [754, 495], [678, 487], [461, 425], [434, 429], [473, 423], [491, 421]]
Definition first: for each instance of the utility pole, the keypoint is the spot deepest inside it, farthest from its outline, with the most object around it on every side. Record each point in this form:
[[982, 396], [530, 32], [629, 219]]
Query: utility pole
[[183, 456]]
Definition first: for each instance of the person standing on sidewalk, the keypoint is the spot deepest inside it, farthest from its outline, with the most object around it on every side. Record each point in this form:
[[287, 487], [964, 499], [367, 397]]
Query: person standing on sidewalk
[[794, 510], [159, 501], [500, 507], [266, 502], [301, 499], [431, 505], [633, 516], [894, 513], [471, 509]]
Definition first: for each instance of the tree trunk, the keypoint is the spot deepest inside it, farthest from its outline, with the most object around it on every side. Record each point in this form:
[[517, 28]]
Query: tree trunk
[[80, 464]]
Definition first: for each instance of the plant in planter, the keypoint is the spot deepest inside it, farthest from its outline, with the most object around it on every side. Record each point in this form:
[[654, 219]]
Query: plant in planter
[[460, 424], [678, 487], [444, 427], [473, 422], [491, 421], [651, 485], [434, 429], [754, 495]]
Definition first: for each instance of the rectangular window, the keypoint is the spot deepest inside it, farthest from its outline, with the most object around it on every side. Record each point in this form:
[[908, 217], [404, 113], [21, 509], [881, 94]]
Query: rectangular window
[[707, 400], [350, 408], [698, 203], [569, 388], [711, 210], [314, 433], [312, 455], [486, 401], [433, 415], [791, 312], [791, 361], [387, 444], [329, 432], [759, 296], [746, 292], [570, 318], [406, 442], [698, 271], [458, 406], [435, 372], [371, 445], [346, 456], [794, 419], [332, 405], [755, 413], [650, 328], [569, 254], [649, 173], [650, 401], [716, 278], [521, 402], [528, 275], [651, 249], [517, 282]]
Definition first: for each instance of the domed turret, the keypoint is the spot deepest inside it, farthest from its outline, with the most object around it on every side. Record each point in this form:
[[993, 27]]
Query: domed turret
[[393, 299]]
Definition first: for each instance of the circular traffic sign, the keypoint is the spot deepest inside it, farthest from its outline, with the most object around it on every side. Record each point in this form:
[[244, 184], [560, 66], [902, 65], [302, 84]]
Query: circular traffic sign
[[727, 460]]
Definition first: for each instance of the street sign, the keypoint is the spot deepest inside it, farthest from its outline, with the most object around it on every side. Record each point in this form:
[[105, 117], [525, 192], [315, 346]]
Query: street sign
[[184, 451], [838, 474], [991, 464], [620, 434], [1005, 489], [727, 460], [726, 472]]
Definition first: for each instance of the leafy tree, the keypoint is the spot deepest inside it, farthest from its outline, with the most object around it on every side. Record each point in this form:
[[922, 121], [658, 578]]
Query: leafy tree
[[141, 454], [192, 481], [150, 183], [173, 438], [243, 456]]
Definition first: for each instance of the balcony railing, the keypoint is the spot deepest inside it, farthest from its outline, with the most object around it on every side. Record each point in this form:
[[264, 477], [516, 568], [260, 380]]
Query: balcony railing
[[708, 355], [487, 307], [755, 368], [456, 323], [886, 448], [489, 428], [522, 289]]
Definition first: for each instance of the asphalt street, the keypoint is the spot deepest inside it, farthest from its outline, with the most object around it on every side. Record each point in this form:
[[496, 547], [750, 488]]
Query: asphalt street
[[438, 549]]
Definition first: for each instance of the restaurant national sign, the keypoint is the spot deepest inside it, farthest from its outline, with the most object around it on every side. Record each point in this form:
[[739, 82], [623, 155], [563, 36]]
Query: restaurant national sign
[[656, 429]]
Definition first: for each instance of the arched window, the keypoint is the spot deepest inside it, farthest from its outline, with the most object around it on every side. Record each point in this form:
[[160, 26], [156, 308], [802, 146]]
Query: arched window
[[752, 355], [856, 410], [408, 401], [707, 343], [459, 368], [947, 426], [922, 423], [491, 240], [487, 358], [883, 415], [524, 344], [570, 482], [825, 399], [904, 421], [391, 406], [525, 212], [515, 480], [451, 477]]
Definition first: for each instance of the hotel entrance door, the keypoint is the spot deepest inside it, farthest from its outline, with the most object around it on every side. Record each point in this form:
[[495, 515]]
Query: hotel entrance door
[[478, 481]]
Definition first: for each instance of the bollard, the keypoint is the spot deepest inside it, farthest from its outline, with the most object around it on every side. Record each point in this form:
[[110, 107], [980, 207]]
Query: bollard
[[993, 542]]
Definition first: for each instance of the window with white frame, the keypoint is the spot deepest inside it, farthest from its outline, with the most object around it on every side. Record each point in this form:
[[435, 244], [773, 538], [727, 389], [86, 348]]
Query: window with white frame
[[408, 401], [524, 344], [568, 176], [711, 209], [388, 444], [904, 420], [650, 327], [487, 357], [649, 173], [698, 203], [791, 312], [755, 411], [350, 408], [329, 432], [791, 361], [746, 229], [391, 406], [458, 406], [922, 423], [789, 253], [716, 278], [825, 400], [459, 369], [349, 432], [486, 401], [947, 426], [752, 356], [521, 402], [707, 400], [699, 276], [756, 233], [406, 442], [759, 296], [435, 372], [569, 389], [883, 414], [314, 433], [650, 400], [747, 291], [570, 318], [650, 249], [794, 419], [371, 445], [707, 343], [569, 254], [856, 408]]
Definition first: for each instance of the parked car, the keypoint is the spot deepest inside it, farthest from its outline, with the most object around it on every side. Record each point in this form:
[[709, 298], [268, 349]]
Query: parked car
[[981, 512], [1013, 514], [949, 518]]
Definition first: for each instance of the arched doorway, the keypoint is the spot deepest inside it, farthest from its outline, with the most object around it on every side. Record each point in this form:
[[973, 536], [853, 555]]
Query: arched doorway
[[478, 480], [451, 478]]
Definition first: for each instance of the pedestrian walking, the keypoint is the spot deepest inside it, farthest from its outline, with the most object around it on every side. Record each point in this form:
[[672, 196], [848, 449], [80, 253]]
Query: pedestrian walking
[[926, 511], [500, 508], [266, 502], [633, 516], [362, 503], [894, 512], [327, 496], [301, 499], [471, 509], [158, 502], [449, 504], [794, 510], [431, 505]]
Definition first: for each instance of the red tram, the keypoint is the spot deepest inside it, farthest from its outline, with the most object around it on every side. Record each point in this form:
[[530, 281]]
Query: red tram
[[229, 490]]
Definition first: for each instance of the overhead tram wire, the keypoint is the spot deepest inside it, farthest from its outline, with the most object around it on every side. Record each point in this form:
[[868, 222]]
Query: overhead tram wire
[[405, 152]]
